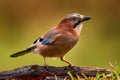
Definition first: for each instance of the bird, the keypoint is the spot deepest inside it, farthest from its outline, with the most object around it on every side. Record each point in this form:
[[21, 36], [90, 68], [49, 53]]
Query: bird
[[60, 39]]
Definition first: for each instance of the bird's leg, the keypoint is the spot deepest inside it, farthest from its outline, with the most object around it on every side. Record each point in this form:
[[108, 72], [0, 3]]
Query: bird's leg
[[44, 63], [63, 59]]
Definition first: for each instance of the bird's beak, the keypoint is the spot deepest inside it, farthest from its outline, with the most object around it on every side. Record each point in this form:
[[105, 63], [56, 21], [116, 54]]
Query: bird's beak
[[85, 18]]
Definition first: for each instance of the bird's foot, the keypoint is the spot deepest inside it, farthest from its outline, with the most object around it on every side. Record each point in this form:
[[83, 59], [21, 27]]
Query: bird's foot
[[71, 65]]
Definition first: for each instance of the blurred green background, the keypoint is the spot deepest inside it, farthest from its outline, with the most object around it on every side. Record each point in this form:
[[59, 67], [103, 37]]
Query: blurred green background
[[23, 21]]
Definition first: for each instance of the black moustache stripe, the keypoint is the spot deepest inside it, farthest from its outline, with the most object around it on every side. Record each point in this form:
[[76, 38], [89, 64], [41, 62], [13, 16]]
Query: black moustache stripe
[[76, 24]]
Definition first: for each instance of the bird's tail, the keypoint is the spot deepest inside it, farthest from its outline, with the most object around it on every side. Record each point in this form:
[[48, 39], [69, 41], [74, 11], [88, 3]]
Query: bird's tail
[[23, 52]]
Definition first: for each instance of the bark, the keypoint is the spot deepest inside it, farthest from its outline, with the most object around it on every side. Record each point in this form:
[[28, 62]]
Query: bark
[[36, 72]]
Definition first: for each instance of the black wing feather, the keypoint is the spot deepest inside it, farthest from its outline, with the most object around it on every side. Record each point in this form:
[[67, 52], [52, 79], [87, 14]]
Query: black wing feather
[[40, 39]]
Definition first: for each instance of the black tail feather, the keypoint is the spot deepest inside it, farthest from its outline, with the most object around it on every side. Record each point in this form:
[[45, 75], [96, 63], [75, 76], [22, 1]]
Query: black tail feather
[[20, 53], [23, 52]]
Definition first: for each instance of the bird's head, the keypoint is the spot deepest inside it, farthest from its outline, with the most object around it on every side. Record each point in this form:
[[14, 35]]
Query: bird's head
[[72, 21]]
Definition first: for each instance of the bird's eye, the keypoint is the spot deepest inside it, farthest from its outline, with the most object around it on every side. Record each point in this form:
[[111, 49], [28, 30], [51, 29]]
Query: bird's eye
[[73, 19]]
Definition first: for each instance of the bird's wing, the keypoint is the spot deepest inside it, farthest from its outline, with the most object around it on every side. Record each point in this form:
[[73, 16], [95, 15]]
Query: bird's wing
[[48, 38]]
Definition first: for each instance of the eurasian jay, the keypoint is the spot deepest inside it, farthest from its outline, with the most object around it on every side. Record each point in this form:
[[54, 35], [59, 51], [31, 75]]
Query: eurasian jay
[[57, 41]]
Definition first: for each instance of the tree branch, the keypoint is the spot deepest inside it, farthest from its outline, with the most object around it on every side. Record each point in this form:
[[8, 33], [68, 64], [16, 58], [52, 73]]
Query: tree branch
[[36, 72]]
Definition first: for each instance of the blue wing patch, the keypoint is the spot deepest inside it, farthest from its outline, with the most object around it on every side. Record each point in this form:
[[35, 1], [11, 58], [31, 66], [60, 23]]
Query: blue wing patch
[[45, 42]]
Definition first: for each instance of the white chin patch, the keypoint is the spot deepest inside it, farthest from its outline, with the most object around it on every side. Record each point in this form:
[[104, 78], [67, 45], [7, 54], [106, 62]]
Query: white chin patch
[[79, 28]]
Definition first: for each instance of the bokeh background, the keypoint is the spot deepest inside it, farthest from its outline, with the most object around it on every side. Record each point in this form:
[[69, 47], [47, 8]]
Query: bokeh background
[[23, 21]]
